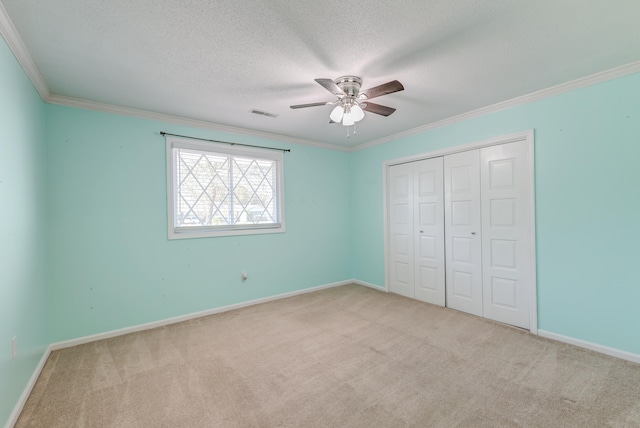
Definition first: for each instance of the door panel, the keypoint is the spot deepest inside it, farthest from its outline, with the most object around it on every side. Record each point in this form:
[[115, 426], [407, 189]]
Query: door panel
[[429, 231], [506, 232], [401, 263], [463, 245]]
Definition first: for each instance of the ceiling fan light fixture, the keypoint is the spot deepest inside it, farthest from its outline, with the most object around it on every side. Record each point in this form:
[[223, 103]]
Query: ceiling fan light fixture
[[357, 113], [336, 114]]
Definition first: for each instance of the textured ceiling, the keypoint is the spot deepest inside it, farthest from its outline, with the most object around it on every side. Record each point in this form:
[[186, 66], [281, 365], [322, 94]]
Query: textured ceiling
[[216, 60]]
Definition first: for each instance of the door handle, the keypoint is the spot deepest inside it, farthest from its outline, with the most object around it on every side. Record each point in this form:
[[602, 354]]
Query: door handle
[[473, 233]]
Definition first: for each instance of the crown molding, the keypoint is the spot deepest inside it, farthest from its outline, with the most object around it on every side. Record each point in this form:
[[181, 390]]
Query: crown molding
[[178, 120], [15, 43], [582, 82]]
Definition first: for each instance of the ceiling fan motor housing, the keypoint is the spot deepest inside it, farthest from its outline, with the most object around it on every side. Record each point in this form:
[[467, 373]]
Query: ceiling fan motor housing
[[350, 85]]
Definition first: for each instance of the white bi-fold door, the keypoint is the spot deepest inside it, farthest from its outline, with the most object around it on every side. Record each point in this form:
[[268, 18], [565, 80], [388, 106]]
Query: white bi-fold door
[[429, 231], [463, 231], [506, 233], [460, 231], [416, 230], [400, 212]]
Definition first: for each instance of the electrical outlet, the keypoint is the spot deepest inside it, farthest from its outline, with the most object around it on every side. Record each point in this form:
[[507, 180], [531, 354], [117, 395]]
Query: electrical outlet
[[14, 347]]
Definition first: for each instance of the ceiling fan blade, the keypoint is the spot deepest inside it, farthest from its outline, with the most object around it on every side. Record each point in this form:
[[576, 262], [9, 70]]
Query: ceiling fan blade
[[330, 86], [378, 109], [311, 105], [384, 89]]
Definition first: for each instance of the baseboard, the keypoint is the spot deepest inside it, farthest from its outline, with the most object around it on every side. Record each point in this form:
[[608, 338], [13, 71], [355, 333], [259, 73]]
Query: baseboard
[[368, 284], [592, 346], [180, 318], [15, 414]]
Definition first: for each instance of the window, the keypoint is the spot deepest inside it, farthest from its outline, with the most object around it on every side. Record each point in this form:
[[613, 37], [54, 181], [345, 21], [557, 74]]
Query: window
[[217, 189]]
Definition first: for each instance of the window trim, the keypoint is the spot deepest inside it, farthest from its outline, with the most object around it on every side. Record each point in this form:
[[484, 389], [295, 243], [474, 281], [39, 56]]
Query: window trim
[[232, 230]]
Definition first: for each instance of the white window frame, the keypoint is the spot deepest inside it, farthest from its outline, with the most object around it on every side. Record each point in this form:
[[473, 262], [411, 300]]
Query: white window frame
[[213, 231]]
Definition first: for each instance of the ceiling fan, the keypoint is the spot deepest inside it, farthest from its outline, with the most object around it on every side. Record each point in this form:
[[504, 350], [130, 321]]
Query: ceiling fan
[[352, 102]]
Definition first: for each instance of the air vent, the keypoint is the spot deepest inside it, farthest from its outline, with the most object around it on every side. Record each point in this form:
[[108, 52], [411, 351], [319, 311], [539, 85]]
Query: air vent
[[263, 113]]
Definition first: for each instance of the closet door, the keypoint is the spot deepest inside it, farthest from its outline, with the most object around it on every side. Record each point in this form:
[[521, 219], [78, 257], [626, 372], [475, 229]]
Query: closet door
[[506, 232], [429, 231], [401, 256], [463, 232]]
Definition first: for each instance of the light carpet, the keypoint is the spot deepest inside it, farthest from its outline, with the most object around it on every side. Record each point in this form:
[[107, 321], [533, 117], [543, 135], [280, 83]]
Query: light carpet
[[343, 357]]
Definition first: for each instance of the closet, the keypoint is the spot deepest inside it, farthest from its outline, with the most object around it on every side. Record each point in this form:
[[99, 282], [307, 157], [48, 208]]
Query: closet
[[460, 231]]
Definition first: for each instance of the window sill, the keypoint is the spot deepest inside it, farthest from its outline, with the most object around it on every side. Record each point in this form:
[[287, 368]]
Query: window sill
[[189, 234]]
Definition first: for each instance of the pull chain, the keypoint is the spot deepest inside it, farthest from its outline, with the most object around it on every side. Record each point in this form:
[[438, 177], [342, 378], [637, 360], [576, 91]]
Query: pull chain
[[355, 130]]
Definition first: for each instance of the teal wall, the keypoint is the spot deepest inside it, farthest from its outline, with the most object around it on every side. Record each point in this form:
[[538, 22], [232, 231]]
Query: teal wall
[[587, 146], [112, 265], [83, 227], [22, 229]]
